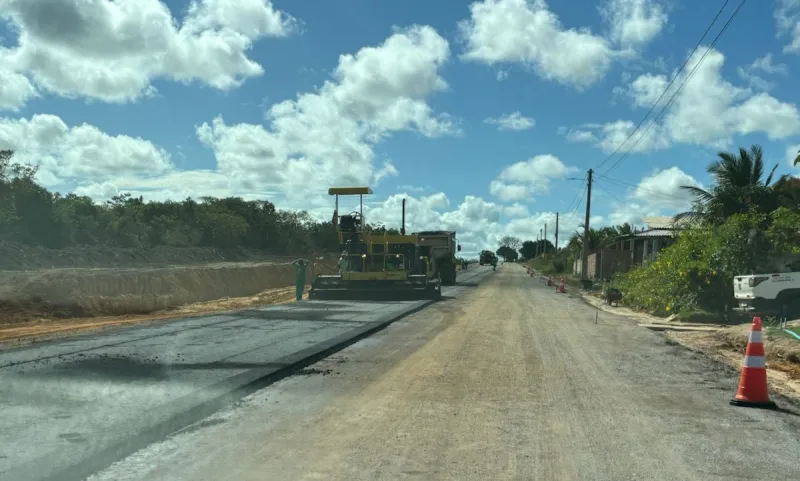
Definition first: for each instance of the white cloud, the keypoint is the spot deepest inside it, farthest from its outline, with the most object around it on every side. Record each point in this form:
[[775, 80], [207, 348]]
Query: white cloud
[[112, 51], [516, 210], [659, 193], [708, 111], [527, 178], [320, 139], [752, 73], [527, 32], [634, 22], [787, 16], [82, 152], [475, 220], [791, 154], [512, 121], [328, 135]]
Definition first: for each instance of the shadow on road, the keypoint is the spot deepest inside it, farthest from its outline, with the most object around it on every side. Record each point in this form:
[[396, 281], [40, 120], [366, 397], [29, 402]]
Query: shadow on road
[[127, 369]]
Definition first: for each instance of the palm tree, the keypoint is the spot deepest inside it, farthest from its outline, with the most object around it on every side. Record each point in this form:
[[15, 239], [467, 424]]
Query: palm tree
[[740, 187]]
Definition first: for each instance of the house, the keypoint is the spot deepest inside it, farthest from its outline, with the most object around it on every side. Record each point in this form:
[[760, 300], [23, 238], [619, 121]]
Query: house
[[639, 247]]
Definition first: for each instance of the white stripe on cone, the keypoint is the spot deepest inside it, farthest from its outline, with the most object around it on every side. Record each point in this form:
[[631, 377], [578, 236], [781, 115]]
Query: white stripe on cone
[[755, 362]]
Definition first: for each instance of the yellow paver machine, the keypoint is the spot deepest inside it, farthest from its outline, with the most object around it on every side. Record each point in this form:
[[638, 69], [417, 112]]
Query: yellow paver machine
[[376, 266]]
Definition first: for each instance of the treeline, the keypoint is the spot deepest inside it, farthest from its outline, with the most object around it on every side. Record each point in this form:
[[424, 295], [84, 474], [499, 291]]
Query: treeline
[[32, 215]]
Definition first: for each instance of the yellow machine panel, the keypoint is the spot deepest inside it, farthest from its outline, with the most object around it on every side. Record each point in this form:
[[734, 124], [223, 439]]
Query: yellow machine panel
[[349, 191]]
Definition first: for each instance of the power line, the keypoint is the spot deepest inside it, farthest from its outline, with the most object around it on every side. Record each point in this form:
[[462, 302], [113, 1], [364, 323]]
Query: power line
[[686, 61], [645, 190], [569, 207], [683, 84], [608, 192]]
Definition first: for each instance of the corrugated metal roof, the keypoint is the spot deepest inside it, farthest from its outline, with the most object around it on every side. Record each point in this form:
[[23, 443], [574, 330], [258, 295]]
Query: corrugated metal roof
[[660, 222], [656, 233], [665, 222]]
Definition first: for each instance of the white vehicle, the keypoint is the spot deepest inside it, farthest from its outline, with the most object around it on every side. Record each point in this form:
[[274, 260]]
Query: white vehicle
[[765, 293]]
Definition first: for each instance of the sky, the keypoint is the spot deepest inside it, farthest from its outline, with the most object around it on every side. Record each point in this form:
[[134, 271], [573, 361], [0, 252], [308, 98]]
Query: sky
[[484, 115]]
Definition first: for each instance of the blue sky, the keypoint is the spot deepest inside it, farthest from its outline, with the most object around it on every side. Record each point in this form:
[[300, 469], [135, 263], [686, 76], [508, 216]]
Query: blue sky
[[418, 99]]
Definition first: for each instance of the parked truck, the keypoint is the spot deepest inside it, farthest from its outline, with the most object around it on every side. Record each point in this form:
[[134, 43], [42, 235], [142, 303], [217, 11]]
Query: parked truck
[[442, 248], [773, 293]]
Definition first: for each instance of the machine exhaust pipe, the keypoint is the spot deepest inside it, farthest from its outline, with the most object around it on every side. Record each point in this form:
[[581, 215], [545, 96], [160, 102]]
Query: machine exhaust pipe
[[403, 222]]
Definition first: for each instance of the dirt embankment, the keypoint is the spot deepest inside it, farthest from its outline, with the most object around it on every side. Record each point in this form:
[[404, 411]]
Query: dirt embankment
[[41, 301], [16, 257]]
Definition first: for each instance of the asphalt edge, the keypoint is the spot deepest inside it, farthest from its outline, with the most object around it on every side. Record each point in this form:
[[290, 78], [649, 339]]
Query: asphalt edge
[[260, 379]]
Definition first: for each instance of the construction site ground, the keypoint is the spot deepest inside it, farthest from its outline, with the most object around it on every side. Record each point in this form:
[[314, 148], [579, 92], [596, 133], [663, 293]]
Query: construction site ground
[[508, 380], [724, 343], [73, 406]]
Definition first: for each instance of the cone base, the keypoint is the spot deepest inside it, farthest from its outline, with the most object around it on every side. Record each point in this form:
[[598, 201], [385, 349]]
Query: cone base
[[754, 404]]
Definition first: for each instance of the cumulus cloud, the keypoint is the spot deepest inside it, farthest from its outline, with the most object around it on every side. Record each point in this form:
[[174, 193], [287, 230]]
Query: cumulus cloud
[[477, 222], [709, 110], [527, 32], [83, 152], [112, 51], [525, 179], [329, 135], [659, 193], [634, 22], [512, 121], [319, 139], [791, 154], [754, 73], [787, 17]]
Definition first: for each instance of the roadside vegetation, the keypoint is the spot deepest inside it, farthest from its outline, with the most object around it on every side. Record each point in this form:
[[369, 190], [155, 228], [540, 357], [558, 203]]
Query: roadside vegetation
[[30, 215], [745, 223]]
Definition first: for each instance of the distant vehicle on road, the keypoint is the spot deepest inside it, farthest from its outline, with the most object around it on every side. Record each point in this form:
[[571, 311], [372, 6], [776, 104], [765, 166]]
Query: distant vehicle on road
[[487, 258]]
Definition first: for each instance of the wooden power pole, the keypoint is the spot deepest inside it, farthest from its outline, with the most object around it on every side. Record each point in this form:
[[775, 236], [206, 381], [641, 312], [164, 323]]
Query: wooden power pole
[[544, 245], [585, 246], [556, 231]]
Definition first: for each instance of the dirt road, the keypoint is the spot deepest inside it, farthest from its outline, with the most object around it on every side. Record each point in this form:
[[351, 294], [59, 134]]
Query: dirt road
[[512, 381]]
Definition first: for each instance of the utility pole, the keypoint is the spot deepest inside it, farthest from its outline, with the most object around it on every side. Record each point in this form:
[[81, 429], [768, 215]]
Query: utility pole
[[556, 231], [544, 245], [585, 246]]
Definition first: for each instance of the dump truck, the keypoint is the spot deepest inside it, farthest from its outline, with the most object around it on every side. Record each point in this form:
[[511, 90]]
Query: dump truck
[[441, 247], [376, 266], [487, 258]]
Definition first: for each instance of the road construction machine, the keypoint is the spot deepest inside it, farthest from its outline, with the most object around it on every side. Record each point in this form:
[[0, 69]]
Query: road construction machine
[[487, 258], [375, 266], [441, 246]]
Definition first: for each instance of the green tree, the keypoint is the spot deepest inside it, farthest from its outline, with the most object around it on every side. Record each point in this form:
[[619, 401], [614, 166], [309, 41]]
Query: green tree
[[740, 187], [507, 253]]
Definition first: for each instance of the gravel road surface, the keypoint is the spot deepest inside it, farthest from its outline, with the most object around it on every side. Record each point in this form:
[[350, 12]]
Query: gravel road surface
[[81, 403], [509, 381]]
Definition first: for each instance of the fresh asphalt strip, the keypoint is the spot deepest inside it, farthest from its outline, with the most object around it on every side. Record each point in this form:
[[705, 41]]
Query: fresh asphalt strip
[[112, 442]]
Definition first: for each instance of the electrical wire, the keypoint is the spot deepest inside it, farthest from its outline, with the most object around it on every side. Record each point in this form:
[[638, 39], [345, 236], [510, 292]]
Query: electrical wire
[[685, 62], [680, 89]]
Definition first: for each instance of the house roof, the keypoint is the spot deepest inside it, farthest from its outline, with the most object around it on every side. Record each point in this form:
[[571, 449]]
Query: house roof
[[664, 222], [656, 233]]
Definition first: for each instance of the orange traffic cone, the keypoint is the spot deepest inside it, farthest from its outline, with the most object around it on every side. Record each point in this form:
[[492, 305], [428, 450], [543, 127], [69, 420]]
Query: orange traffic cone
[[753, 390]]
